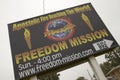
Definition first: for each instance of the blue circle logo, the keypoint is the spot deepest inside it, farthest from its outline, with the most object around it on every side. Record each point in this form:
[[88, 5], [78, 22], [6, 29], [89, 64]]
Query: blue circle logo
[[59, 29]]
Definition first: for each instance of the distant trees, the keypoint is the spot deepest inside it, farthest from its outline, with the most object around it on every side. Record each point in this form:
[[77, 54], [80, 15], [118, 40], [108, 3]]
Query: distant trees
[[113, 60], [81, 78], [54, 76], [106, 67], [113, 57]]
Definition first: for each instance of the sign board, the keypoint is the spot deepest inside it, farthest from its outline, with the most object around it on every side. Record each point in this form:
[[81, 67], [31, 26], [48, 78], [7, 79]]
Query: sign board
[[52, 40]]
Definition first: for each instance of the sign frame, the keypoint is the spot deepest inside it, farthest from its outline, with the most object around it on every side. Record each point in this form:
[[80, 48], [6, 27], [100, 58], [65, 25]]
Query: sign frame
[[58, 40]]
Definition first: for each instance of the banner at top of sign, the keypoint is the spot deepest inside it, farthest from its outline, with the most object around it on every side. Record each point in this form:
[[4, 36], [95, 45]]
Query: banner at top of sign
[[63, 13]]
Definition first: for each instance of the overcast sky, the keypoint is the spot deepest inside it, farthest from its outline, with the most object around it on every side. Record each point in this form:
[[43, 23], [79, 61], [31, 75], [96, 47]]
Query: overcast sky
[[16, 10]]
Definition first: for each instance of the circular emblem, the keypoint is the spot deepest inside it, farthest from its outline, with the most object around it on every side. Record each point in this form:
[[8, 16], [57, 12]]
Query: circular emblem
[[59, 29]]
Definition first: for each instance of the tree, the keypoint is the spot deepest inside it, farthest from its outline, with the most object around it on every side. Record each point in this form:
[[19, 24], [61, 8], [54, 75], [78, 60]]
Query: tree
[[54, 76], [81, 78], [113, 57], [106, 67]]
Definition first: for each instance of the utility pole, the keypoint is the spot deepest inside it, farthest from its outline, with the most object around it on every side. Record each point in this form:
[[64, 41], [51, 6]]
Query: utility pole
[[90, 75]]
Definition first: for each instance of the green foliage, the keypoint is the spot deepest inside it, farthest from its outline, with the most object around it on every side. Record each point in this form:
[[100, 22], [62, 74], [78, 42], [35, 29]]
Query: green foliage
[[113, 60], [113, 57], [54, 76], [106, 67], [81, 78]]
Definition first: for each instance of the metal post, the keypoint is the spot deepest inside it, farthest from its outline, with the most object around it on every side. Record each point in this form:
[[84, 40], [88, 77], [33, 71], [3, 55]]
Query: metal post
[[33, 78], [43, 6], [96, 69]]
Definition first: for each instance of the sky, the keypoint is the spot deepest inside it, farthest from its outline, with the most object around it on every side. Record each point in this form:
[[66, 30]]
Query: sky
[[16, 10]]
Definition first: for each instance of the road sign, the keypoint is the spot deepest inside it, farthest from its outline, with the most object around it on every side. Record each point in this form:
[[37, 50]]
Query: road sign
[[54, 40]]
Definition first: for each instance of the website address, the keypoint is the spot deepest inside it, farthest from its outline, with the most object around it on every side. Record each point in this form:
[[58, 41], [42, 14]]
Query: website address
[[51, 64]]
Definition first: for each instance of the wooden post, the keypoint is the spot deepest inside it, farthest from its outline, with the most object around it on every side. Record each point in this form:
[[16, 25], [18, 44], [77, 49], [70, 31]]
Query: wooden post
[[96, 69]]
